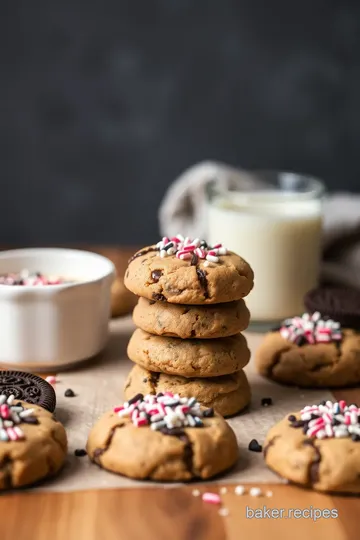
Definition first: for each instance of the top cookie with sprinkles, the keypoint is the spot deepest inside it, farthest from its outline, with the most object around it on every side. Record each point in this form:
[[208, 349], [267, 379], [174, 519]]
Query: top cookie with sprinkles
[[184, 271]]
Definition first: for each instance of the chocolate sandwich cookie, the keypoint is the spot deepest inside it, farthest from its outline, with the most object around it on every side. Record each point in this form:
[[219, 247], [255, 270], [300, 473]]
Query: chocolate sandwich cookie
[[28, 387], [164, 438], [340, 304], [318, 447]]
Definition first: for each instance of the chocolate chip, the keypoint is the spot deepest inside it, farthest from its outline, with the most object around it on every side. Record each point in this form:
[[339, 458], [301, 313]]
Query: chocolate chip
[[80, 452], [156, 275], [266, 401], [160, 394], [69, 393], [135, 398], [194, 259], [291, 418], [201, 274], [158, 296], [297, 423], [208, 413], [30, 420], [145, 380], [254, 446], [355, 437]]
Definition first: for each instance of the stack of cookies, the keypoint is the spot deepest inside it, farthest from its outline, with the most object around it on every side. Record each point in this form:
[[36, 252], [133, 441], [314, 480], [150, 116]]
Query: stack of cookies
[[189, 317]]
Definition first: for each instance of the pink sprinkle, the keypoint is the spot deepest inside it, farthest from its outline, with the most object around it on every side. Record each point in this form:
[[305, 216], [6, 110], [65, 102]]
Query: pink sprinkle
[[51, 379], [212, 252], [342, 404], [212, 498], [189, 248], [12, 434], [217, 246], [140, 422], [4, 411], [175, 239], [169, 394], [118, 409]]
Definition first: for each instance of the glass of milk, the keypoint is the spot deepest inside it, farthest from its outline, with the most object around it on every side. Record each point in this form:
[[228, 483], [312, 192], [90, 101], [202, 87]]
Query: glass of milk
[[276, 227]]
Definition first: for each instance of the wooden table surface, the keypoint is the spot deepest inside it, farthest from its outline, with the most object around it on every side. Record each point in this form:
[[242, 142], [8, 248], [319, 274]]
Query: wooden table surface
[[174, 514]]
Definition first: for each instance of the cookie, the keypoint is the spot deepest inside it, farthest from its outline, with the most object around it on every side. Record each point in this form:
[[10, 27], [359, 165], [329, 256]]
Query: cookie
[[33, 445], [322, 364], [181, 444], [342, 305], [29, 388], [186, 322], [188, 357], [316, 448], [228, 394], [122, 300], [164, 275]]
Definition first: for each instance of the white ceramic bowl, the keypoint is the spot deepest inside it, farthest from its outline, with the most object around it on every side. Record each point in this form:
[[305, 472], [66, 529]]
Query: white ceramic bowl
[[51, 327]]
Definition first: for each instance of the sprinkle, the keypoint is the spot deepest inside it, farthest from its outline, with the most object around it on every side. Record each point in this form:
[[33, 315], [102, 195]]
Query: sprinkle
[[255, 492], [10, 418], [239, 490], [223, 512], [195, 492], [310, 329], [51, 379], [328, 420], [223, 490], [212, 498], [186, 249], [25, 278]]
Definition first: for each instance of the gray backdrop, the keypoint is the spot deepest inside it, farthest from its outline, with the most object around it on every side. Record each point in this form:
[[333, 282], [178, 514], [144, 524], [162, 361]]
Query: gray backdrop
[[104, 103]]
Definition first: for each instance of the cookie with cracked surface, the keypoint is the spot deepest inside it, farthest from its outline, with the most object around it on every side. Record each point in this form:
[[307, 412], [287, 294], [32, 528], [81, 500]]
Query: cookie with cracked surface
[[326, 464], [172, 455], [227, 395], [322, 365], [178, 281], [188, 357], [32, 448], [186, 322]]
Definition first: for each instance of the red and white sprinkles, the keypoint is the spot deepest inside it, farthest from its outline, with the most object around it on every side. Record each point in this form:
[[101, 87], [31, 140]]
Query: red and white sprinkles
[[328, 420], [33, 279], [310, 329], [186, 248], [10, 418], [163, 411]]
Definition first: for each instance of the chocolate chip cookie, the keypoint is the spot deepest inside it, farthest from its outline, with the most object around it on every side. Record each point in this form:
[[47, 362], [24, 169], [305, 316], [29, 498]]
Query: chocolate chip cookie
[[186, 322], [228, 394], [33, 445], [163, 438], [318, 447], [187, 273], [327, 360], [188, 357]]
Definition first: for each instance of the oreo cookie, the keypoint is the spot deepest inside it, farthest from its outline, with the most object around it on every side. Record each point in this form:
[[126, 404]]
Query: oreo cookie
[[29, 388], [340, 304]]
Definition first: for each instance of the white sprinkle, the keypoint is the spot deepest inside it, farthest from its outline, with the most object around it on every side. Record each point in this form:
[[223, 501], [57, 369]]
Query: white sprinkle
[[206, 263], [26, 412], [255, 492], [223, 490], [212, 258], [196, 492], [3, 398], [239, 490], [223, 512], [269, 493], [10, 399], [163, 253]]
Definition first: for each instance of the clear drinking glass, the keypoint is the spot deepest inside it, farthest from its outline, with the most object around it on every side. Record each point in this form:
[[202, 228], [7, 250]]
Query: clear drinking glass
[[276, 226]]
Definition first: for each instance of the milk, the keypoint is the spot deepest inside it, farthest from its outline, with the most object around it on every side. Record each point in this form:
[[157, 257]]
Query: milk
[[279, 234]]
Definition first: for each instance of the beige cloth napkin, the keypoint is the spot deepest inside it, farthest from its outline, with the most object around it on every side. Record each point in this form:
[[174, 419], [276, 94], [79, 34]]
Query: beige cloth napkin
[[183, 209]]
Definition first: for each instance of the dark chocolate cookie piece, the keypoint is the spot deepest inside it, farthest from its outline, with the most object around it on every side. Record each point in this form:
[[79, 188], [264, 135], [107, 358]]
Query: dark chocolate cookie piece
[[340, 304], [28, 387]]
